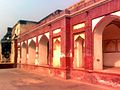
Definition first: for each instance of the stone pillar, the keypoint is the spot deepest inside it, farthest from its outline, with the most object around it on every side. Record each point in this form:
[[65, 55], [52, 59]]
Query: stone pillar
[[20, 53], [88, 44], [36, 58], [50, 47], [66, 47], [19, 63], [27, 55]]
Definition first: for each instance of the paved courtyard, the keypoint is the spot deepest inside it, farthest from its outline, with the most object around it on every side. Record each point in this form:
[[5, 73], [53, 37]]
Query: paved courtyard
[[14, 79]]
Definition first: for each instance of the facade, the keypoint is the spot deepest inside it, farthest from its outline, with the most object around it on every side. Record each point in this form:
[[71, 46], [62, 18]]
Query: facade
[[19, 28], [6, 47], [81, 42]]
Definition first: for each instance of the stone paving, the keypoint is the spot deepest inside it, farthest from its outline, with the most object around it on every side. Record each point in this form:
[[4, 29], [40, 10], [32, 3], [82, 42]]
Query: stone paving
[[15, 79]]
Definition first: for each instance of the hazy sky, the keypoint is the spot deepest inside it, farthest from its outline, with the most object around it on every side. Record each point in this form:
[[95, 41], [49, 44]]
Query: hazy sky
[[13, 10]]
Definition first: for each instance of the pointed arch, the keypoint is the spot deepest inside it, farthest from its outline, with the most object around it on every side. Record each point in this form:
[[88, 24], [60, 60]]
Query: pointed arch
[[78, 51], [44, 50], [99, 31], [56, 52], [31, 52], [24, 53]]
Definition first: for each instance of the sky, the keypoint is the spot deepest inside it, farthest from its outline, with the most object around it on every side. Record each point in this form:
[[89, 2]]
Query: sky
[[11, 11]]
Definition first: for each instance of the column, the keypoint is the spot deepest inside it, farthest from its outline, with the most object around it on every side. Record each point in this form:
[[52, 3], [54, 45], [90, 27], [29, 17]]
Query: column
[[50, 47], [66, 46], [27, 55], [36, 58], [88, 44]]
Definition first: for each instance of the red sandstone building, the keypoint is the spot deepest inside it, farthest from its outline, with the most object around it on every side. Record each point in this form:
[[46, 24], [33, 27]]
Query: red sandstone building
[[81, 42]]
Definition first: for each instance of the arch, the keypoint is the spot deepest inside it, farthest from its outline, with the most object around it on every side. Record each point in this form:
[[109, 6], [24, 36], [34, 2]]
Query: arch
[[24, 53], [31, 52], [104, 22], [98, 37], [44, 50], [45, 34], [56, 53], [78, 52]]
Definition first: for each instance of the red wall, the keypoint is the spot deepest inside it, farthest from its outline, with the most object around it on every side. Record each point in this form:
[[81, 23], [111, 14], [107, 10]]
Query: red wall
[[66, 25]]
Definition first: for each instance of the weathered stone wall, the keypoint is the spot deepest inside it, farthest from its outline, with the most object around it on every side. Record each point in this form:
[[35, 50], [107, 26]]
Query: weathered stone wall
[[65, 21]]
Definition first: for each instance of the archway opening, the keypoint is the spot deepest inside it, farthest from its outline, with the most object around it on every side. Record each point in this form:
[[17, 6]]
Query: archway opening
[[56, 53], [111, 44], [106, 43], [44, 50], [24, 53], [32, 52]]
